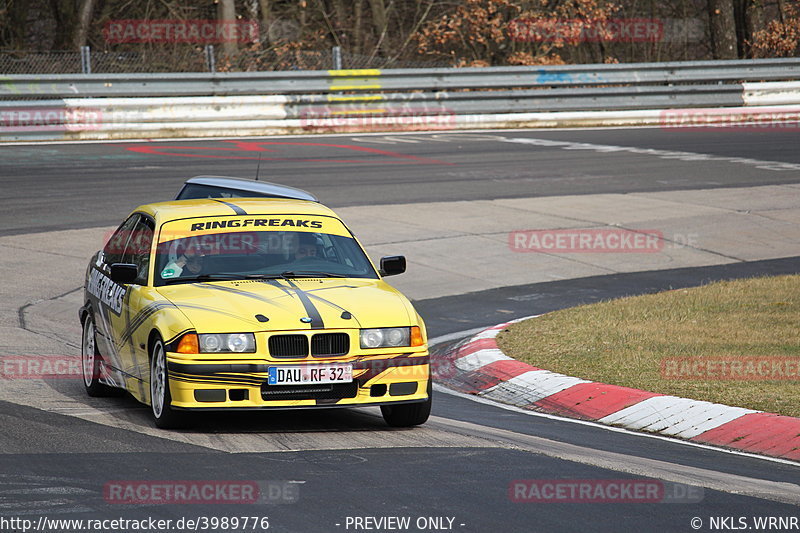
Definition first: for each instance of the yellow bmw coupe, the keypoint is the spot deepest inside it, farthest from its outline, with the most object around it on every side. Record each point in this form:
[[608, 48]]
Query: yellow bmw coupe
[[249, 303]]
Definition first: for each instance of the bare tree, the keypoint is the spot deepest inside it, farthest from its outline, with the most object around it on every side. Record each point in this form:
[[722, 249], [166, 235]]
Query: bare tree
[[723, 29], [17, 18], [266, 18], [753, 23], [380, 22], [340, 23], [81, 29], [358, 31], [226, 12]]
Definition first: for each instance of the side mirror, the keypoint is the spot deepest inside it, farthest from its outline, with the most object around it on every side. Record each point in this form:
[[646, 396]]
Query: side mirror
[[124, 273], [392, 265]]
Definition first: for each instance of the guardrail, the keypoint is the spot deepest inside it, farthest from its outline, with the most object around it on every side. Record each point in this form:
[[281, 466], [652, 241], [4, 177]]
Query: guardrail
[[94, 106]]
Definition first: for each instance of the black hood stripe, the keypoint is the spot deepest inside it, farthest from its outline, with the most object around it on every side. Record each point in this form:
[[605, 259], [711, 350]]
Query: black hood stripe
[[305, 298], [303, 295], [236, 209], [247, 294], [323, 300], [277, 285], [335, 306], [311, 311]]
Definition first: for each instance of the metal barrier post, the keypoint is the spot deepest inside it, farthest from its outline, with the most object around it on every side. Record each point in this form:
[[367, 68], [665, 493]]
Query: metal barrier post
[[337, 57], [86, 60], [211, 60]]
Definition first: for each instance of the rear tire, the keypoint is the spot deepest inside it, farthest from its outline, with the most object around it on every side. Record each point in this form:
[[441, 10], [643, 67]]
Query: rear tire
[[408, 414], [160, 397], [91, 361]]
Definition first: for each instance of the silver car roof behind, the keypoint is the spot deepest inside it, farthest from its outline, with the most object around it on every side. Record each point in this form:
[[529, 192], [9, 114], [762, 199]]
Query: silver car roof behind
[[261, 187]]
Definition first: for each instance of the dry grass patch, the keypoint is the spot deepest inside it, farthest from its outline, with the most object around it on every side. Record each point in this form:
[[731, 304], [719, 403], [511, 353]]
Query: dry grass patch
[[624, 342]]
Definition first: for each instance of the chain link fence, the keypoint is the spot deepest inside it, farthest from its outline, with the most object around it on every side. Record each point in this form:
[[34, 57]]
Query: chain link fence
[[40, 62], [194, 59]]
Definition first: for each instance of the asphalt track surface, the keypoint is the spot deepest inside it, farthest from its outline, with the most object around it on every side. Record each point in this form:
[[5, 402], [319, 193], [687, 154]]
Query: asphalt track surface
[[54, 465], [83, 185]]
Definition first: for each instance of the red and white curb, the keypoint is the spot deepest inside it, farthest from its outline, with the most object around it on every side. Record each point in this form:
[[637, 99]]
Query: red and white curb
[[477, 366]]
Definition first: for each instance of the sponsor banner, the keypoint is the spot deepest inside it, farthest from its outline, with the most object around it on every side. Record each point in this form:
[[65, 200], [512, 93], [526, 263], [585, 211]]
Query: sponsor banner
[[180, 31], [277, 235], [602, 491], [731, 368], [255, 226], [624, 30], [32, 119], [586, 241], [40, 367], [752, 119], [200, 492]]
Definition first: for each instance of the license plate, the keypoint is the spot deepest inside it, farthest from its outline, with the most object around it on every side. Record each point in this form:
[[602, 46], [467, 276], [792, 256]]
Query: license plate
[[309, 374]]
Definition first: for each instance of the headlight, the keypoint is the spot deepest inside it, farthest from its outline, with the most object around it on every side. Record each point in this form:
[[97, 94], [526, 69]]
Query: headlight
[[385, 337], [227, 342]]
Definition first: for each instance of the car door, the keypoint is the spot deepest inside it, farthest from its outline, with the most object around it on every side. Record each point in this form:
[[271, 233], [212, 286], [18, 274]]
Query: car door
[[136, 306], [105, 294]]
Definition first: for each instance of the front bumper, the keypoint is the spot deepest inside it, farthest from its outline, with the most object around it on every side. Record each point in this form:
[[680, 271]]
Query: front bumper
[[197, 384]]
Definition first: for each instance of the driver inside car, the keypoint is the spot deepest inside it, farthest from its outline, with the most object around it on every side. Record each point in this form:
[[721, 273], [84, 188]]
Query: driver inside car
[[307, 247], [189, 264]]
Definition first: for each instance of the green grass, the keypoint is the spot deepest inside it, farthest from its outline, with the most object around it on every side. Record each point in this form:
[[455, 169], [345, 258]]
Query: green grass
[[624, 342]]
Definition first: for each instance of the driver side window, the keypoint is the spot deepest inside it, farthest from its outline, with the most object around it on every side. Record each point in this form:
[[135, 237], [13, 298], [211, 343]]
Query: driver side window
[[138, 250], [115, 247]]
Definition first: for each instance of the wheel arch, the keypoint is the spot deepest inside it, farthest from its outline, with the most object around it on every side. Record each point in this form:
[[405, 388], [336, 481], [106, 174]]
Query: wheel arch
[[151, 340], [85, 311]]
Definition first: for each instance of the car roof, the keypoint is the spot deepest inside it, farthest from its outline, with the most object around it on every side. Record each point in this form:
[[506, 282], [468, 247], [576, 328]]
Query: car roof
[[206, 207], [262, 188]]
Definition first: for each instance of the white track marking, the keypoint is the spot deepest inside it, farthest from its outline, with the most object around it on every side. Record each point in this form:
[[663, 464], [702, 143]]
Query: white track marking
[[675, 416], [662, 154], [479, 359], [531, 387]]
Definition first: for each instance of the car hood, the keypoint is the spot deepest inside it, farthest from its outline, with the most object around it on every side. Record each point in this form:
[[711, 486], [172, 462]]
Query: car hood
[[294, 304]]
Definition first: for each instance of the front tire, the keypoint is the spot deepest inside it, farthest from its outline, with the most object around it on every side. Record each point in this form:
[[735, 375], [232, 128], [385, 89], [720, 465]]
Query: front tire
[[91, 362], [160, 397], [409, 414]]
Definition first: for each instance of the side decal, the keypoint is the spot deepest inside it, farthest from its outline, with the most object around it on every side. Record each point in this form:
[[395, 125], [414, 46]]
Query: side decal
[[109, 293]]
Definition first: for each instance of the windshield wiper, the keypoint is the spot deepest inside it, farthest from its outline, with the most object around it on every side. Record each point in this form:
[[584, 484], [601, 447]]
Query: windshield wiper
[[232, 277], [310, 274], [222, 277], [202, 277]]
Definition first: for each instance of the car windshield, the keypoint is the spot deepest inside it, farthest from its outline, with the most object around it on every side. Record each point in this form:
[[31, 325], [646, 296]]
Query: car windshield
[[259, 254]]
